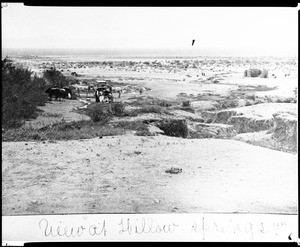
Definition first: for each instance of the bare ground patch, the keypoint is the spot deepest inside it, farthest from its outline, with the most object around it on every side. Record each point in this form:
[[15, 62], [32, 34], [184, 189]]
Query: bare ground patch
[[127, 174], [55, 111]]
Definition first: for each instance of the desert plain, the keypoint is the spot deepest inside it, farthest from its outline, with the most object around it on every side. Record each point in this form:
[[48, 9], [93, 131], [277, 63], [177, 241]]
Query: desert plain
[[240, 154]]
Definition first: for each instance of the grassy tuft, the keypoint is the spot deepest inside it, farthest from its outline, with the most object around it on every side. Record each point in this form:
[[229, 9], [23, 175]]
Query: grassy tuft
[[62, 131], [131, 125]]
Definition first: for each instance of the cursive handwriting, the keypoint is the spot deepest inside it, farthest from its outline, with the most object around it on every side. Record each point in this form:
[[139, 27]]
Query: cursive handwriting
[[61, 230], [145, 226], [203, 227], [98, 230]]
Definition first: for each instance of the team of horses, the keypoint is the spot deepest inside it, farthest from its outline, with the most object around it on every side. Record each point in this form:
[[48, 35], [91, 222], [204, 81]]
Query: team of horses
[[101, 94], [59, 93]]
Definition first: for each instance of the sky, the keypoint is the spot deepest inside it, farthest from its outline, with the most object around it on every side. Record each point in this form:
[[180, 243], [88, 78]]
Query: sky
[[257, 31]]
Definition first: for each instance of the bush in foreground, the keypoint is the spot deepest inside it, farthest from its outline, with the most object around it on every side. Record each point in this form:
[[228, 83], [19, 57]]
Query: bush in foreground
[[100, 112], [21, 94]]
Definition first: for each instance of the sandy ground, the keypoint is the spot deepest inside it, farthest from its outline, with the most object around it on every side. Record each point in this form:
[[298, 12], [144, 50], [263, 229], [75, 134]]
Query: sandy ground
[[266, 110], [127, 174], [56, 111]]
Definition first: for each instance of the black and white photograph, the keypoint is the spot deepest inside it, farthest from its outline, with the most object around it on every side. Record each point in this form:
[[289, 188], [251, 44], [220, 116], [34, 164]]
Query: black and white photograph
[[149, 110]]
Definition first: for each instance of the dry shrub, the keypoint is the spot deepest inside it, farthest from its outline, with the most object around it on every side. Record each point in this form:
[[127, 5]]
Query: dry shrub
[[174, 127], [100, 112], [21, 94], [231, 103], [164, 103], [118, 109], [249, 102], [186, 103]]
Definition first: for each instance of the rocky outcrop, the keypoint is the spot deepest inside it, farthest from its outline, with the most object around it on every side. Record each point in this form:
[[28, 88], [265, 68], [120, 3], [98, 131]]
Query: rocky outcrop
[[205, 109], [285, 129], [280, 99], [245, 124], [203, 105], [204, 130], [260, 114], [208, 116], [282, 136], [187, 115], [224, 115], [154, 130], [255, 118]]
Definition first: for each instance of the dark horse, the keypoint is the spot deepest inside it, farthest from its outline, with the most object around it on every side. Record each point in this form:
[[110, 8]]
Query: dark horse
[[59, 93]]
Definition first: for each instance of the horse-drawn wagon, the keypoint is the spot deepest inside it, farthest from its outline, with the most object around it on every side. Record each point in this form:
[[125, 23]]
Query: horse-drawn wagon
[[104, 94]]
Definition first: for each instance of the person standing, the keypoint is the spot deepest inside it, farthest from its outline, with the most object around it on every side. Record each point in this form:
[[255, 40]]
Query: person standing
[[97, 96]]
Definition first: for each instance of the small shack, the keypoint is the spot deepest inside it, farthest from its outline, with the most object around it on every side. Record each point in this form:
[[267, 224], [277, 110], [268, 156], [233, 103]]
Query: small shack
[[256, 73]]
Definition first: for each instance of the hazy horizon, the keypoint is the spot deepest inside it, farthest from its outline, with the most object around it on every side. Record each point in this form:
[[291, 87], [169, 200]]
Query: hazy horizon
[[127, 53], [161, 30]]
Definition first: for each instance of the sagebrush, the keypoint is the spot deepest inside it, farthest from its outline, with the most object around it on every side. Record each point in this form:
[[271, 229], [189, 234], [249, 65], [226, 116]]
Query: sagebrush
[[22, 92]]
